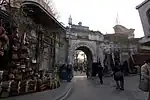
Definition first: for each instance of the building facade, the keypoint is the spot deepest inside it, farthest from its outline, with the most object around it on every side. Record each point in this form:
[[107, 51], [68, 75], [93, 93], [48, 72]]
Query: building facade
[[82, 38], [144, 12], [119, 46], [29, 47]]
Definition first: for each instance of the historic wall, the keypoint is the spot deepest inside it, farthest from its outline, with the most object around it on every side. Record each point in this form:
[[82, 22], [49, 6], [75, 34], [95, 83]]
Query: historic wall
[[83, 38], [96, 49], [61, 52], [91, 45]]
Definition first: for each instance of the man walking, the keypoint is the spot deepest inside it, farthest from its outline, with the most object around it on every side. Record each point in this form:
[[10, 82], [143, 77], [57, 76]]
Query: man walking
[[100, 72]]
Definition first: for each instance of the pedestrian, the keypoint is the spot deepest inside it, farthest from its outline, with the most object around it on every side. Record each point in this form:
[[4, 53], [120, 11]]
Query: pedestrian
[[69, 72], [81, 69], [118, 76], [145, 75], [87, 72], [100, 72], [75, 68]]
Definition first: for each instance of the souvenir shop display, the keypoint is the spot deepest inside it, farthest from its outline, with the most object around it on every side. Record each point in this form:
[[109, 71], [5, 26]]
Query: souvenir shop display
[[22, 73], [4, 41]]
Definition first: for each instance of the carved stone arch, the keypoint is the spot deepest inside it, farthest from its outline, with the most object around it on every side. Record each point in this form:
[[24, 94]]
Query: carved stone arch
[[74, 47]]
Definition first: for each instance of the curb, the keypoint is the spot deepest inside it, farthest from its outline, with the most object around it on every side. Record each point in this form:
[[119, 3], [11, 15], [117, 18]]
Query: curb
[[64, 95]]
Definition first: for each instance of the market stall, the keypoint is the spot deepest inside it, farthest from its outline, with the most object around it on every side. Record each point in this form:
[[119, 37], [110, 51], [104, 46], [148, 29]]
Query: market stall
[[27, 50]]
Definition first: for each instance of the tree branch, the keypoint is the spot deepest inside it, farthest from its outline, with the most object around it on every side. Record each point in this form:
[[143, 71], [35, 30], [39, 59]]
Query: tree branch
[[53, 9]]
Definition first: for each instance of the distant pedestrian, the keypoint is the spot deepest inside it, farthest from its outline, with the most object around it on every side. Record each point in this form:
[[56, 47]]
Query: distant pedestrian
[[87, 72], [75, 68], [100, 72], [81, 69], [145, 75], [118, 76], [69, 72]]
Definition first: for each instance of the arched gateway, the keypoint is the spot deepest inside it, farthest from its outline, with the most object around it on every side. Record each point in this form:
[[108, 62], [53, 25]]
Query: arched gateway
[[88, 41], [87, 48]]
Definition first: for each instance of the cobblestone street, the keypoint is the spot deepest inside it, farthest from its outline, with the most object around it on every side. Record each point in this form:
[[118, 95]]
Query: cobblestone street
[[84, 89]]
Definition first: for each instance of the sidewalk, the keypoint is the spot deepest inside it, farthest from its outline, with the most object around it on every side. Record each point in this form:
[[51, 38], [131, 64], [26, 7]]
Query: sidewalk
[[131, 88], [56, 94]]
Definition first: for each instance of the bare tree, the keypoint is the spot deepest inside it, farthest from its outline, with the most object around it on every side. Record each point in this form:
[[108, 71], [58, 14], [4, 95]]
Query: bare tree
[[17, 3], [53, 9]]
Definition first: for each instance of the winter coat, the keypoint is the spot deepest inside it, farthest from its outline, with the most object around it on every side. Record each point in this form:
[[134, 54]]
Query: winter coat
[[100, 70], [145, 73], [117, 69]]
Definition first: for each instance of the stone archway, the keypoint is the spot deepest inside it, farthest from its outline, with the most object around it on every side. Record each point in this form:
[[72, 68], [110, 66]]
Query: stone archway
[[88, 49], [83, 46], [88, 54]]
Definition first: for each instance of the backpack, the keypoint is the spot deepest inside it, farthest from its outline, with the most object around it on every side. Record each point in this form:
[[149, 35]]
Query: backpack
[[119, 73]]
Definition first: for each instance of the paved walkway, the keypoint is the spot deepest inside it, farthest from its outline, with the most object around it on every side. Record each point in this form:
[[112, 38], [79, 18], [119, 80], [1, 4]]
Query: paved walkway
[[84, 89], [55, 94]]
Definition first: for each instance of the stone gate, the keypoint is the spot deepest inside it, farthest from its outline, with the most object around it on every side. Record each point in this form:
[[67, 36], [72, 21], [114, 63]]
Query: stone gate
[[90, 42]]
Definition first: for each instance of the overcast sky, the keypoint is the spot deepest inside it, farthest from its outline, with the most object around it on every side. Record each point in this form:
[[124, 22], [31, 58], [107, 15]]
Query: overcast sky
[[101, 14]]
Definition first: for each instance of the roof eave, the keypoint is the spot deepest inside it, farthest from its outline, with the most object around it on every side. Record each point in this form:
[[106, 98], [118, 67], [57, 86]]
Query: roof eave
[[49, 14], [58, 22], [140, 5]]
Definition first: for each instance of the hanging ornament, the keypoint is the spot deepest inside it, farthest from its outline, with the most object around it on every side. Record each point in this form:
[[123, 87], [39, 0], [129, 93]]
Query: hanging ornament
[[4, 41]]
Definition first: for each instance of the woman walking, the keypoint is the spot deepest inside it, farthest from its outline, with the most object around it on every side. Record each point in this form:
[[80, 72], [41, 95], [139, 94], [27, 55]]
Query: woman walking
[[118, 76]]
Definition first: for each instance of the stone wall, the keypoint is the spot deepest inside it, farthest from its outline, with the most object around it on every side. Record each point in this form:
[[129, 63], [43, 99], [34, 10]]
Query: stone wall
[[61, 49]]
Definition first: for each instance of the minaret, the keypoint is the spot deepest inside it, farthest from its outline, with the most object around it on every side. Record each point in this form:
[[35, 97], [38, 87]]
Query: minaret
[[70, 20], [117, 19], [116, 24]]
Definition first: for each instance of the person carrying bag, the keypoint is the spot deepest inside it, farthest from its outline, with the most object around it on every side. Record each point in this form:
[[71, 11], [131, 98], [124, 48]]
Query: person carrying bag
[[119, 76], [144, 84]]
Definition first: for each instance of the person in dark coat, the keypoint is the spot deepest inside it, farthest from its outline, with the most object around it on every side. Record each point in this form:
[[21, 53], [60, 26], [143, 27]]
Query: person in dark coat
[[69, 72], [118, 76], [87, 72], [100, 72]]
